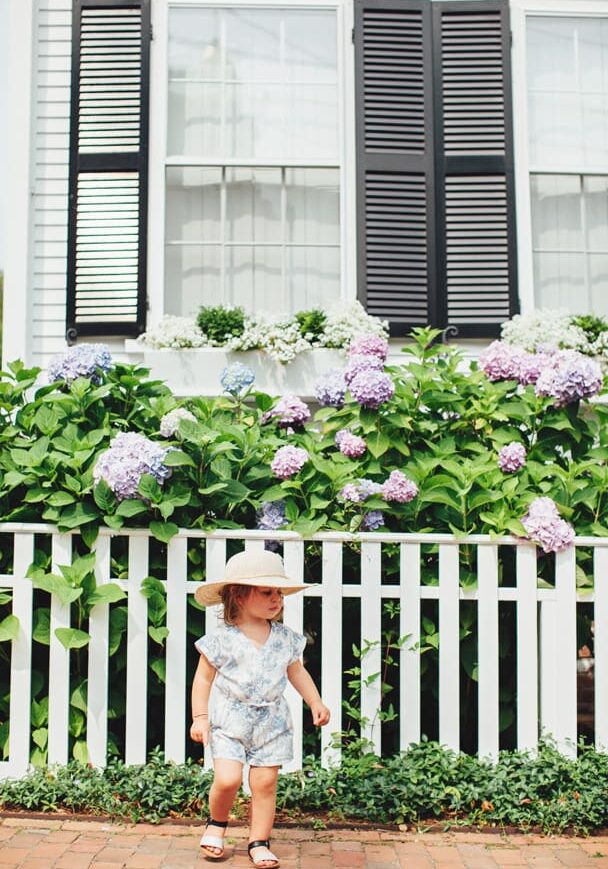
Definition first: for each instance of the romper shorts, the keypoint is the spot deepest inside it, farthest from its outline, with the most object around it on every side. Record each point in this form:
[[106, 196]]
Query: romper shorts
[[257, 735]]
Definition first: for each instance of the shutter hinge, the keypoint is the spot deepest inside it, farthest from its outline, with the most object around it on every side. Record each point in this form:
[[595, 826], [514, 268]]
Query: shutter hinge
[[151, 33], [352, 36]]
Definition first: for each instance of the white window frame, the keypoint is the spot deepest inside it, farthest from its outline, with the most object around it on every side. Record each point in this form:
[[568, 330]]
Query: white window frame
[[158, 139], [521, 10]]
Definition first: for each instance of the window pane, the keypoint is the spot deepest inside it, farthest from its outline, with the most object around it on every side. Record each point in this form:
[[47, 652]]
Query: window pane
[[254, 278], [559, 281], [194, 124], [253, 45], [255, 121], [193, 204], [194, 44], [598, 278], [311, 129], [310, 46], [313, 276], [253, 205], [192, 278], [596, 210], [312, 206], [556, 212]]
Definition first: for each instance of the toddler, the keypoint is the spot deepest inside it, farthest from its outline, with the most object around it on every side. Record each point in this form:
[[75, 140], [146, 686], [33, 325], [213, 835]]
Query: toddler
[[246, 718]]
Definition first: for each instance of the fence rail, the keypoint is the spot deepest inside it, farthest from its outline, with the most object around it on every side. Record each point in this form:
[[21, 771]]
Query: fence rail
[[544, 658]]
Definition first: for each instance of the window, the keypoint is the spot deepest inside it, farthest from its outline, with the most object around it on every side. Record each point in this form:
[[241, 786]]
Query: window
[[568, 143], [253, 166]]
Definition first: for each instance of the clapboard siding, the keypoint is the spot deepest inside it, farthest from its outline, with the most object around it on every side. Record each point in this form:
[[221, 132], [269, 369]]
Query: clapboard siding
[[50, 172]]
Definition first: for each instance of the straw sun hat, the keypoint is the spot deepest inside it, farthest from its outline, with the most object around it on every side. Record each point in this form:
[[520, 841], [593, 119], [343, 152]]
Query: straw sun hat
[[249, 568]]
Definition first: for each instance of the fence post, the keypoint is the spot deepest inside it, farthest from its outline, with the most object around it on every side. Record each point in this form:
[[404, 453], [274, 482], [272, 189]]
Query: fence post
[[99, 647], [21, 657], [487, 652], [449, 646], [215, 561], [293, 555], [600, 647], [548, 669], [565, 587], [409, 672], [527, 648], [175, 679], [331, 648], [136, 724], [371, 632], [59, 661]]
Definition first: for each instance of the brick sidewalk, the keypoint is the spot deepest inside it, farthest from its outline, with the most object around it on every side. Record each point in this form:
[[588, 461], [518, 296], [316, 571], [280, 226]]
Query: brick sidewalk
[[53, 844]]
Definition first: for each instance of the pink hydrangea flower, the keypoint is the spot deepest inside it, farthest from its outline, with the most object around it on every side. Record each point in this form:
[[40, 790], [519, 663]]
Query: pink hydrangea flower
[[288, 461], [545, 527], [369, 345], [288, 411], [501, 361], [349, 444], [372, 388], [512, 457], [569, 377], [399, 488], [357, 364]]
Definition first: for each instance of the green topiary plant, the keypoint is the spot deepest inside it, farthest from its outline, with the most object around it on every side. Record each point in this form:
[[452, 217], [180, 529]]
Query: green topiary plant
[[221, 322]]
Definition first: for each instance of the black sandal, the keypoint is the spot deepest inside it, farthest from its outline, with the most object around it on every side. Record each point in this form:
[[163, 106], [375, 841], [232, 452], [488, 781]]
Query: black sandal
[[263, 843], [213, 841]]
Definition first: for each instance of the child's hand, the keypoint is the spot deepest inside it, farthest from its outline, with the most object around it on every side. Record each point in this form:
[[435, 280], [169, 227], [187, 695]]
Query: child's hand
[[199, 731], [320, 713]]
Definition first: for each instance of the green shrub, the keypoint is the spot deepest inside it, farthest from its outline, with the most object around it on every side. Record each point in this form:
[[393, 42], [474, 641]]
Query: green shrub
[[312, 323], [220, 322]]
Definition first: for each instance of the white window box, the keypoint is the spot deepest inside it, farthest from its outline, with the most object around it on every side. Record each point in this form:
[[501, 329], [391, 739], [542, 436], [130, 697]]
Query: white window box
[[198, 372]]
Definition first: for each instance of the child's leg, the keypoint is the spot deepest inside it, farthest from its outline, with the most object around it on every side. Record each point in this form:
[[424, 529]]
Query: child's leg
[[227, 778], [263, 784]]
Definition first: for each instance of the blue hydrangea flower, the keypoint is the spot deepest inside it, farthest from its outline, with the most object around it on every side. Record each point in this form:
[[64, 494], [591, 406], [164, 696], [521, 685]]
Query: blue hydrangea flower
[[129, 456], [372, 520], [82, 360], [236, 378], [331, 389], [271, 515]]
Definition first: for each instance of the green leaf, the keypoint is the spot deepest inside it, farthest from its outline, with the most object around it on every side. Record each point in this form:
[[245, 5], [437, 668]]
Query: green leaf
[[109, 592], [149, 489], [58, 586], [209, 490], [60, 499], [72, 638], [378, 444], [177, 458], [9, 628], [81, 752], [131, 507], [159, 635], [104, 497], [159, 667], [42, 626], [40, 737], [166, 509], [163, 531], [114, 522], [78, 514], [236, 491], [79, 697]]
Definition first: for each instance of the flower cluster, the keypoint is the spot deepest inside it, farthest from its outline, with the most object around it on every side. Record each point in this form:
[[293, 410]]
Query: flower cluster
[[128, 458], [399, 488], [500, 361], [176, 333], [236, 378], [512, 457], [553, 328], [330, 389], [346, 322], [288, 461], [288, 411], [369, 345], [359, 491], [545, 527], [349, 444], [271, 516], [359, 363], [372, 388], [82, 360], [570, 377], [372, 520], [169, 424]]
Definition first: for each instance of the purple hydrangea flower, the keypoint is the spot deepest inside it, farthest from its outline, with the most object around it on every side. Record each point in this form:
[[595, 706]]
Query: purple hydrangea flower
[[236, 377], [399, 488], [531, 366], [512, 457], [129, 456], [545, 526], [288, 461], [501, 361], [351, 492], [169, 424], [82, 360], [569, 377], [369, 345], [369, 487], [360, 490], [271, 515], [372, 520], [357, 364], [349, 444], [331, 389], [372, 388], [288, 411]]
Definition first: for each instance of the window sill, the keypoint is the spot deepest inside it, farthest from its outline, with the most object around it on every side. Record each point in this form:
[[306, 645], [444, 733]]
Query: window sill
[[198, 372]]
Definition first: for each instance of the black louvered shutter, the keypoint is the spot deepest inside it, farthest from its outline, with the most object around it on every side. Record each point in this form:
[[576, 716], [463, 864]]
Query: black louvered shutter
[[106, 285], [434, 127]]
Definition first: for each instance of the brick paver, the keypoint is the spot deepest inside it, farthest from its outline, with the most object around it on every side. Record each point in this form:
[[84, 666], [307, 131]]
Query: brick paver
[[27, 843]]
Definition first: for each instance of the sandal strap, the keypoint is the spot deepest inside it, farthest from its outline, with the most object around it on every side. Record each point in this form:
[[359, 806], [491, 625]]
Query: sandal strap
[[211, 822], [259, 843]]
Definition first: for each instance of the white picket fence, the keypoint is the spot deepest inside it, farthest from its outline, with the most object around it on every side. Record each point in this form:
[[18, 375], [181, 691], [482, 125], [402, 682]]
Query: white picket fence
[[546, 641]]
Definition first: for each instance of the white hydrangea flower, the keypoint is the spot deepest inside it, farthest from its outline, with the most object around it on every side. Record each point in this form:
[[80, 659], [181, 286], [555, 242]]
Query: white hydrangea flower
[[544, 328], [169, 424], [345, 322], [177, 333]]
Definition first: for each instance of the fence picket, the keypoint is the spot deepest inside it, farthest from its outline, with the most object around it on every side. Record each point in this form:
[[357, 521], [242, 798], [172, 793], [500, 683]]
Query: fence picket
[[215, 560], [137, 654], [600, 644], [331, 648], [409, 671], [21, 657], [59, 661], [371, 637], [527, 647], [449, 646], [550, 695], [97, 694], [565, 587], [293, 556], [487, 651], [175, 679]]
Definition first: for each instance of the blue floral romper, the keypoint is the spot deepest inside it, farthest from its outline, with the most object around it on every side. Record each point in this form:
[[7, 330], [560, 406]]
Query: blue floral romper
[[249, 716]]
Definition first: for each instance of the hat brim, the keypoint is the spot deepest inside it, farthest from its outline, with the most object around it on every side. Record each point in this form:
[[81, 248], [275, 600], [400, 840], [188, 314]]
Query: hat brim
[[210, 593]]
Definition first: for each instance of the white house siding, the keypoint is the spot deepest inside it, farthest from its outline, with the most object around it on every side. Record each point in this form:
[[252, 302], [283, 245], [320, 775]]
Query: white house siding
[[50, 144]]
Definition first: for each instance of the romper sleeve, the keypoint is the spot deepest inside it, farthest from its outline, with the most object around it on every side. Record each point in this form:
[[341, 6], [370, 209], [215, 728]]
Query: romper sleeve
[[211, 647], [298, 644]]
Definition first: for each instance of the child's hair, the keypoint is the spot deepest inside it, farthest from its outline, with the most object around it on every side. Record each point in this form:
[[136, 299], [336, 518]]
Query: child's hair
[[233, 596]]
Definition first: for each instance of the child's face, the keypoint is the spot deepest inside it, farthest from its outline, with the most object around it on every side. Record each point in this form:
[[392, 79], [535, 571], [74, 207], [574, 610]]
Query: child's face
[[263, 602]]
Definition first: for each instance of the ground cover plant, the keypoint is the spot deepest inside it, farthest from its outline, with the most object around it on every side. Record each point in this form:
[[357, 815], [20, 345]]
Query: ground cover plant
[[427, 784], [511, 445]]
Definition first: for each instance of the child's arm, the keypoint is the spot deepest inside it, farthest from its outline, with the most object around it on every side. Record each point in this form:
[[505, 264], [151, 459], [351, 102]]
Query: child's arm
[[301, 680], [201, 688]]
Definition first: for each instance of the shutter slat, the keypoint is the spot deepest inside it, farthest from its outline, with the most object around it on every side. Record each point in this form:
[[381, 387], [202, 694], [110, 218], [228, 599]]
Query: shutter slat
[[108, 168]]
